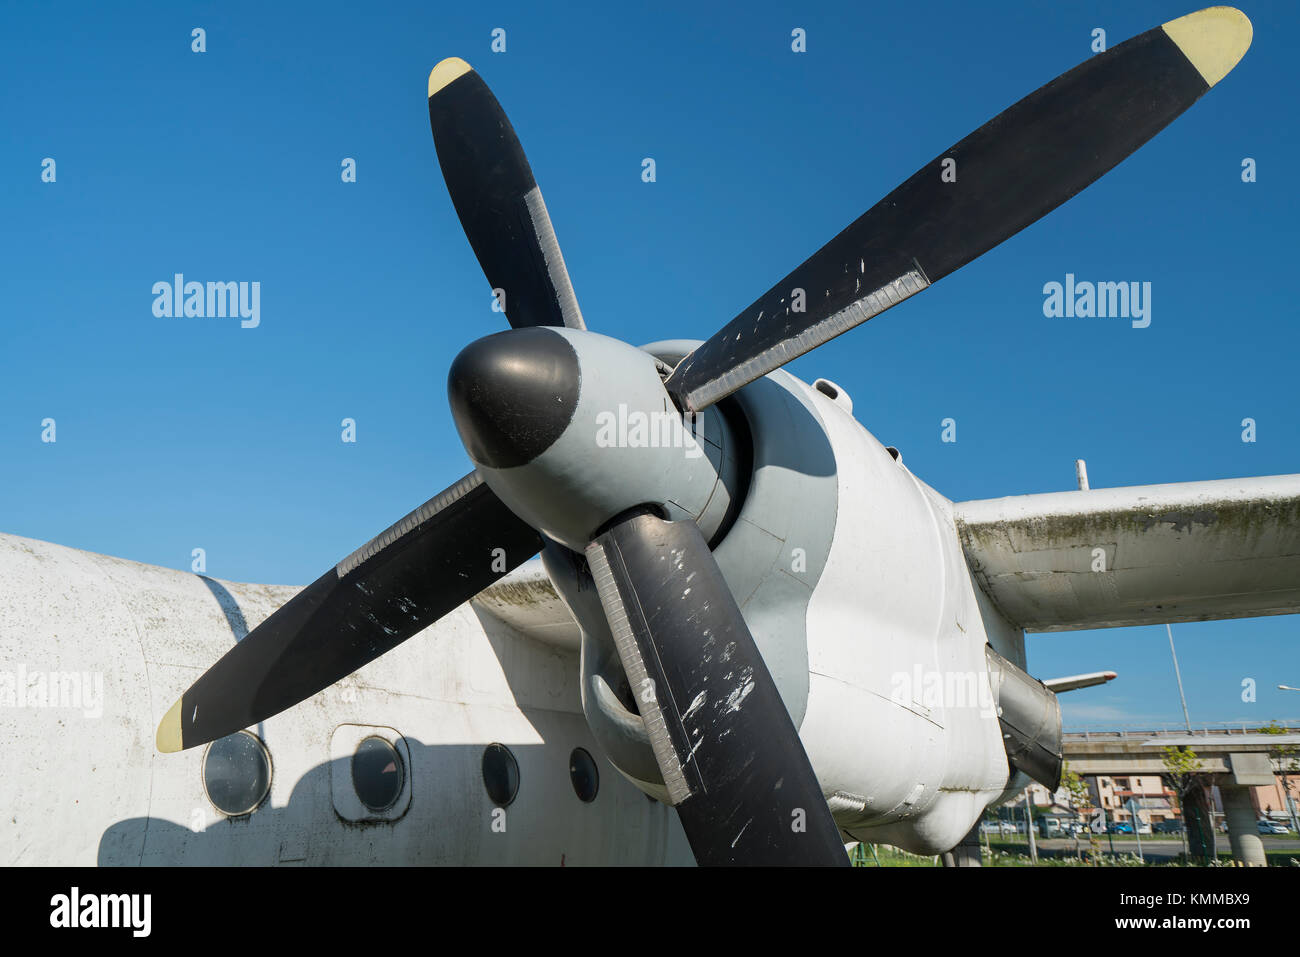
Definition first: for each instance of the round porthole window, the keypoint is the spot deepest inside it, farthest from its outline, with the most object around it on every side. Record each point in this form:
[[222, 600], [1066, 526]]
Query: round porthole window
[[584, 775], [377, 774], [500, 774], [236, 773]]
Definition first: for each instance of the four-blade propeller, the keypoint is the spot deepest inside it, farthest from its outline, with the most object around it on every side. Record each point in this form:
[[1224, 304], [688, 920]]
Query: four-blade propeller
[[729, 753]]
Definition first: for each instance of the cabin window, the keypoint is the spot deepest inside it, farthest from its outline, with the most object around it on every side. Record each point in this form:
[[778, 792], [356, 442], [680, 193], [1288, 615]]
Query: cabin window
[[377, 774], [500, 774], [237, 773], [584, 775]]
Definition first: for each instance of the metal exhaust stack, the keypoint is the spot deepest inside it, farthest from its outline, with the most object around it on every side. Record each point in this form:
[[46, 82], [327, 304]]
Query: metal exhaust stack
[[1030, 717]]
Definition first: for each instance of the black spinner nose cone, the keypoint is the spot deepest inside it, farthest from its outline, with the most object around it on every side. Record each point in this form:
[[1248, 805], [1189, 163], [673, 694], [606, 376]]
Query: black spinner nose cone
[[512, 394]]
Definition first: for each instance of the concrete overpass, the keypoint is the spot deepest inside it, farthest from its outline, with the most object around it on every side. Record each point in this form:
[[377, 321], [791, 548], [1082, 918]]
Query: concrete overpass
[[1142, 752], [1237, 759]]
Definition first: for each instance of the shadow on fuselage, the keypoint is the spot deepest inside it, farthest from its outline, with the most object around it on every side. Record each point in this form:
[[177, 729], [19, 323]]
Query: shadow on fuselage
[[229, 607], [524, 683], [449, 819]]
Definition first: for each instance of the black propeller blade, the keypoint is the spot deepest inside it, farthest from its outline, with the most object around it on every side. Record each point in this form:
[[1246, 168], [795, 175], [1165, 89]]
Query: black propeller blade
[[399, 583], [729, 753], [1014, 169], [497, 199]]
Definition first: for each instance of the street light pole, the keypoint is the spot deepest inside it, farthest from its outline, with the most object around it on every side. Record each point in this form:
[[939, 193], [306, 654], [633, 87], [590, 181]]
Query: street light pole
[[1177, 674], [1029, 829]]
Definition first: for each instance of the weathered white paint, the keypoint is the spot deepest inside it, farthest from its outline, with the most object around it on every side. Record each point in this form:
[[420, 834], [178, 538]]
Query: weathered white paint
[[895, 602], [86, 790], [1190, 551]]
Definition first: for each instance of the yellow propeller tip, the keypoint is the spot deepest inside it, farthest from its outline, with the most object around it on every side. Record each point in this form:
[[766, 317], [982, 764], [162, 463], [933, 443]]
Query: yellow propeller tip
[[452, 68], [1213, 39], [168, 738]]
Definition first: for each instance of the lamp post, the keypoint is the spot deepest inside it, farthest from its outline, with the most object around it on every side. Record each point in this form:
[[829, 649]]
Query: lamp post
[[1029, 829], [1177, 674]]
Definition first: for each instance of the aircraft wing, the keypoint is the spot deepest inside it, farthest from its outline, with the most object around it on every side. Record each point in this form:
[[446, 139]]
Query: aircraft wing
[[1191, 551]]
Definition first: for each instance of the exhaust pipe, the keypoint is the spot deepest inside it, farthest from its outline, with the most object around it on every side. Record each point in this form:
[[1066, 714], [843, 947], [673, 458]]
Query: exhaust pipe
[[1030, 717]]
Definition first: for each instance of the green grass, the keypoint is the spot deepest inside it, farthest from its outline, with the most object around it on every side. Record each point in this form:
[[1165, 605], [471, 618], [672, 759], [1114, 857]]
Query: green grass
[[1010, 853], [888, 857]]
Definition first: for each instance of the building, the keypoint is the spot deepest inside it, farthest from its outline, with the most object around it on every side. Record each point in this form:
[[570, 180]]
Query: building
[[1271, 800], [1112, 793]]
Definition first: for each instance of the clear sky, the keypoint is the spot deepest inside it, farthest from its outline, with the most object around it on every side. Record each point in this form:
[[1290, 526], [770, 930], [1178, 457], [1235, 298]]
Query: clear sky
[[225, 165]]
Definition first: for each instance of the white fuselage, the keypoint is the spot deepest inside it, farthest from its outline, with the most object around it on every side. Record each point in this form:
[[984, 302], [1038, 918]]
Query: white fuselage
[[85, 788]]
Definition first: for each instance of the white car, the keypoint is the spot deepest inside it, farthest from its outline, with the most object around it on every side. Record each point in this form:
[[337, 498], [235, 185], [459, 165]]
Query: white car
[[1272, 827]]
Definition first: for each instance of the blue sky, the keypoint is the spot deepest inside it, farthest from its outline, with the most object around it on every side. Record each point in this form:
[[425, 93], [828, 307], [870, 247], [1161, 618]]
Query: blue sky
[[225, 165]]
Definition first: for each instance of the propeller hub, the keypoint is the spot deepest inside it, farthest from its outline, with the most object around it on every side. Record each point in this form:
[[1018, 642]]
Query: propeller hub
[[571, 428], [513, 394]]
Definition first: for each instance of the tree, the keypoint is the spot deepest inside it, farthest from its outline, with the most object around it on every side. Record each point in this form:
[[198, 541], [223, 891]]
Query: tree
[[1080, 800], [1287, 758], [1185, 774]]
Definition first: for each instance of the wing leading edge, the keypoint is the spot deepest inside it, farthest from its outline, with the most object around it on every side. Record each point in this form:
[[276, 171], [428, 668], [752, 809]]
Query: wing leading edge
[[1191, 551]]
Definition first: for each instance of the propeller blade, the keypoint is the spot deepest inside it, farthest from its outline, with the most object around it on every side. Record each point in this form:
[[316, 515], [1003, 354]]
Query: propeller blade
[[729, 752], [400, 582], [497, 199], [1014, 169]]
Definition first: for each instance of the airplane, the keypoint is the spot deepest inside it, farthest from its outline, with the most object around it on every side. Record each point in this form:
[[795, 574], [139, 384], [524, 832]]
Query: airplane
[[778, 638]]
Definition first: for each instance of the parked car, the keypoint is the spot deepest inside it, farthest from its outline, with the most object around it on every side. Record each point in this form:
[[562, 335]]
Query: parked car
[[1272, 827], [1169, 827], [999, 827], [1121, 827]]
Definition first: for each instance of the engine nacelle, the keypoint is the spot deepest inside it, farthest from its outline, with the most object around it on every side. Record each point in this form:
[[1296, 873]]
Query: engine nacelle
[[850, 575], [771, 555]]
